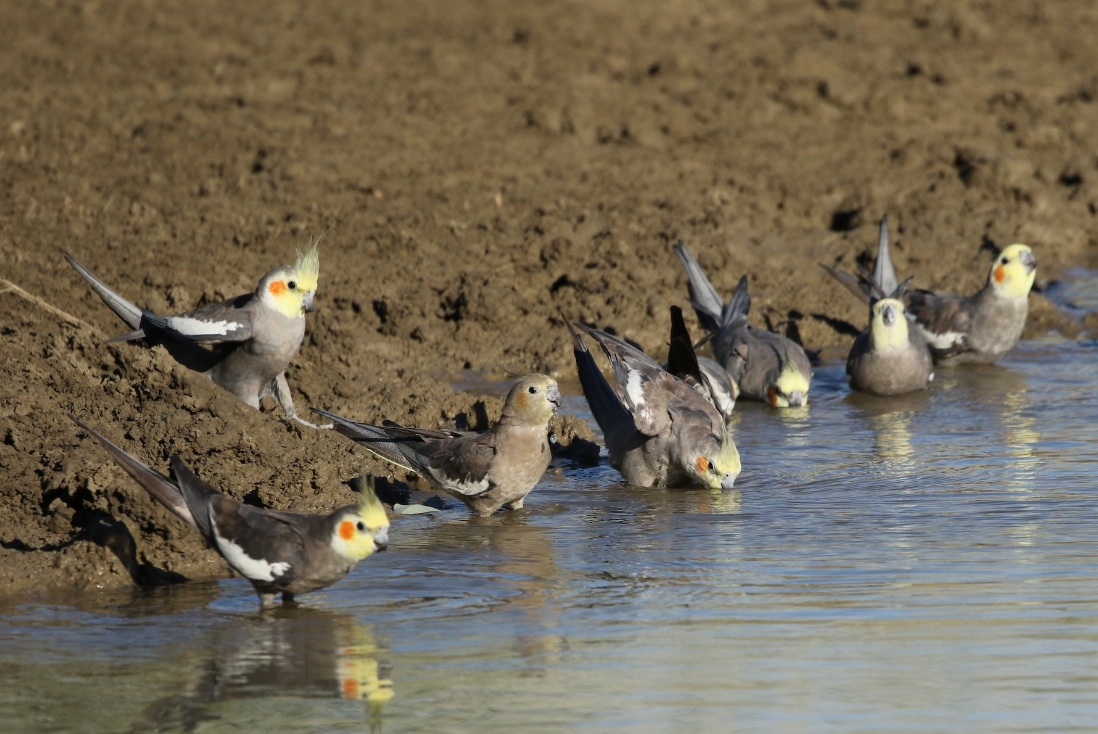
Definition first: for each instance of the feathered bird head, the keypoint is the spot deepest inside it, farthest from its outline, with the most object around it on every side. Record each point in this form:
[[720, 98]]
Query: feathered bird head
[[888, 324], [1013, 271], [718, 463], [362, 529], [290, 289], [533, 400], [790, 389]]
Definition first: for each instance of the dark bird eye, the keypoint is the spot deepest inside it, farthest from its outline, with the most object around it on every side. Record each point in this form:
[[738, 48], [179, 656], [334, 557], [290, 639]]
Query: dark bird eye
[[361, 526], [292, 284], [533, 390]]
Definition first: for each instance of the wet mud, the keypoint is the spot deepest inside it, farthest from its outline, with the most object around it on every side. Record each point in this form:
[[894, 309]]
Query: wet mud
[[475, 169]]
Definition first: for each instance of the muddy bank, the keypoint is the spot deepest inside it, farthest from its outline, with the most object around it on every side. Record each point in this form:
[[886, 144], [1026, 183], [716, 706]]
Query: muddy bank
[[476, 168]]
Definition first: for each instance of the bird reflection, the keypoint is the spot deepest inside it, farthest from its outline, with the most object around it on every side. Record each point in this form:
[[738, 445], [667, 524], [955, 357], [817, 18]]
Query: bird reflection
[[298, 651]]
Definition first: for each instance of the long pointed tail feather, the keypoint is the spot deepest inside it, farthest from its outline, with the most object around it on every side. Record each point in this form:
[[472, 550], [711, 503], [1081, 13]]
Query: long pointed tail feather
[[704, 298], [159, 486], [373, 439], [126, 310]]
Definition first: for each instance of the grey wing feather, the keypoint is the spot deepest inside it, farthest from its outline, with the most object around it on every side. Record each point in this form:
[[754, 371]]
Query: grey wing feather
[[159, 486], [199, 497], [611, 415], [228, 321], [703, 296], [126, 310]]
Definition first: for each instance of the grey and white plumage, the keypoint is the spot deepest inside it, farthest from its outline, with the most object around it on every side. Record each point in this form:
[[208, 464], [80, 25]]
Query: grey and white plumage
[[283, 553], [487, 471], [659, 431], [764, 365], [707, 377], [891, 356], [243, 344], [978, 328]]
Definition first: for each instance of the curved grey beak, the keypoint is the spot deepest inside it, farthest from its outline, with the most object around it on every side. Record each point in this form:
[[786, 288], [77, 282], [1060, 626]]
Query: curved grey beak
[[729, 480], [1029, 261], [797, 398], [888, 314], [381, 539], [308, 302]]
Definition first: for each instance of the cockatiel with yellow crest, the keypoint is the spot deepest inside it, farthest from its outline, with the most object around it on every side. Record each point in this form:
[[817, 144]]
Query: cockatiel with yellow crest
[[764, 366], [283, 553], [891, 356], [659, 430], [969, 329], [243, 344]]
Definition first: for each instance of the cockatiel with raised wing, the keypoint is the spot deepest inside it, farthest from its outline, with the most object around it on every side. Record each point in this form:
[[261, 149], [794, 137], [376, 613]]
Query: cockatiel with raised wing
[[243, 344], [704, 375], [486, 471], [970, 329], [659, 431], [283, 553], [890, 357], [766, 366]]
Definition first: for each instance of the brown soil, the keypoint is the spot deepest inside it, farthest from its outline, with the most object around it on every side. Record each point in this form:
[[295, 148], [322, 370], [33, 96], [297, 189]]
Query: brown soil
[[476, 167]]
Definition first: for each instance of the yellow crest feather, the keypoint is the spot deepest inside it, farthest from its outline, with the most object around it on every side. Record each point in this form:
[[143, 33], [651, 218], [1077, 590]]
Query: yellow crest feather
[[369, 506], [307, 267]]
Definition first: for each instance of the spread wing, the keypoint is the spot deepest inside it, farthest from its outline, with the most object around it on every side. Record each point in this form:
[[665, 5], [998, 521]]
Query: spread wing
[[639, 382]]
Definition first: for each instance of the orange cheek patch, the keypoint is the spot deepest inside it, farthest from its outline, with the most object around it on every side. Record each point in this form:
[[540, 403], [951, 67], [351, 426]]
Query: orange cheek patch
[[1000, 274], [520, 400], [346, 530], [702, 463], [277, 288], [772, 395]]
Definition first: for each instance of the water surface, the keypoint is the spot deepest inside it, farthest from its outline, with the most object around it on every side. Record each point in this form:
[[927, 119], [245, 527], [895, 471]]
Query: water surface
[[913, 565]]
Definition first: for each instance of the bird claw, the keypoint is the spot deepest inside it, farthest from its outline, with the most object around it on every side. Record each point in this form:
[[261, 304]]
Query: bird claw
[[326, 427]]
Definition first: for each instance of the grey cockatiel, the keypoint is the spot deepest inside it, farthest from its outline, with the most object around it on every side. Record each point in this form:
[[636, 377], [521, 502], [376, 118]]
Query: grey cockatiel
[[970, 329], [486, 471], [243, 344], [704, 375], [659, 431], [279, 552], [766, 366], [891, 356]]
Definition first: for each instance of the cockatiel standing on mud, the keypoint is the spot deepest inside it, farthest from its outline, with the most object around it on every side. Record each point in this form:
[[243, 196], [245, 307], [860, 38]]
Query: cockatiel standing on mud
[[766, 366], [243, 344], [890, 357], [486, 471], [659, 431], [970, 329], [283, 553]]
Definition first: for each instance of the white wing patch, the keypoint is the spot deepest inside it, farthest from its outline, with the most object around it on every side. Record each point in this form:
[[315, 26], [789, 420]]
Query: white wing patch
[[942, 341], [634, 388], [250, 568], [465, 488], [196, 327]]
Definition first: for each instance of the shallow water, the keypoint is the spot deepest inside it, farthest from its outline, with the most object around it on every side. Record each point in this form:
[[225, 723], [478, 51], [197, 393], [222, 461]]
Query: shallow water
[[920, 564]]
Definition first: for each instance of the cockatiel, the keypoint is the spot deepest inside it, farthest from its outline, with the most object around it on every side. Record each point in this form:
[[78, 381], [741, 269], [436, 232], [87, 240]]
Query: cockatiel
[[659, 431], [890, 357], [284, 553], [243, 344], [486, 471], [766, 366], [970, 329]]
